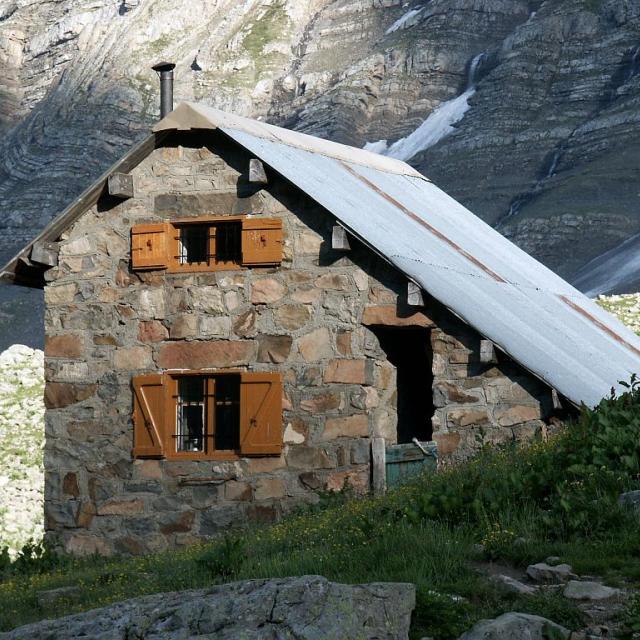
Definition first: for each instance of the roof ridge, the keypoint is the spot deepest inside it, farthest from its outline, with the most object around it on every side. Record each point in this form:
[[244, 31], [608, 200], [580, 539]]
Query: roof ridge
[[190, 115]]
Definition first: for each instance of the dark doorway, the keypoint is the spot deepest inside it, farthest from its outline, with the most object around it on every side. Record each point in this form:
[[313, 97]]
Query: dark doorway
[[408, 349]]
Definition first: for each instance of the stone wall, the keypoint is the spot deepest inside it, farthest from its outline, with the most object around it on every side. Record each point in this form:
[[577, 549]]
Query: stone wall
[[309, 319], [481, 403]]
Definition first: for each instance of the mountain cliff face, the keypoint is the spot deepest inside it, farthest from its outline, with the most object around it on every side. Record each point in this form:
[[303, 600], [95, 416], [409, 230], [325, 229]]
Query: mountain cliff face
[[531, 106]]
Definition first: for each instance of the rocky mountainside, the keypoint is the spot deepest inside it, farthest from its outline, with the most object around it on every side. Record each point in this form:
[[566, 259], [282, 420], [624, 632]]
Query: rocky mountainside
[[524, 110]]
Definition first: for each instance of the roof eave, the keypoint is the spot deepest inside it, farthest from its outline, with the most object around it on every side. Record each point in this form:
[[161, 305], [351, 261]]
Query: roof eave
[[10, 272]]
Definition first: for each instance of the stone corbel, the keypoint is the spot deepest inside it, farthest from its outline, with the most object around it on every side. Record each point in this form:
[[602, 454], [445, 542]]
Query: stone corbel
[[120, 185], [340, 239], [414, 295], [488, 352], [45, 253], [257, 174], [555, 399]]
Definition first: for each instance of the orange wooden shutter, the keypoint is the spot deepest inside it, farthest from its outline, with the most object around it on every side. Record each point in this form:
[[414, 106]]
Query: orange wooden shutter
[[261, 241], [148, 416], [261, 414], [149, 246]]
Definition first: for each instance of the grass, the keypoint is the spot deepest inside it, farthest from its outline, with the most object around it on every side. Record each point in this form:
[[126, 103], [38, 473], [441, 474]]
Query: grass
[[522, 505], [625, 307], [266, 29], [343, 542]]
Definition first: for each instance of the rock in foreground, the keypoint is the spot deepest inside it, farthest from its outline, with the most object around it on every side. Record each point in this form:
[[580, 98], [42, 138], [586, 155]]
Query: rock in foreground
[[510, 626], [304, 608], [577, 590], [543, 572]]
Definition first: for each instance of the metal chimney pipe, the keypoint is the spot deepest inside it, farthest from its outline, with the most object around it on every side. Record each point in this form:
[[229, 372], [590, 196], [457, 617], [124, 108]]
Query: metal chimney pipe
[[165, 71]]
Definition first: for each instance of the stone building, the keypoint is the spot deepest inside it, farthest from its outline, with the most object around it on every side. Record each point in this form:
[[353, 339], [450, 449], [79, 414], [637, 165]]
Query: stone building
[[235, 313]]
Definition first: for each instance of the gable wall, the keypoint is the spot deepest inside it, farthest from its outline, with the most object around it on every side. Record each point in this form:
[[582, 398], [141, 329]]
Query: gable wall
[[105, 324]]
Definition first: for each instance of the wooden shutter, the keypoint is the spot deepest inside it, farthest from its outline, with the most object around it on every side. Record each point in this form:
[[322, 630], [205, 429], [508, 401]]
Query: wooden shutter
[[150, 246], [148, 416], [261, 241], [261, 414]]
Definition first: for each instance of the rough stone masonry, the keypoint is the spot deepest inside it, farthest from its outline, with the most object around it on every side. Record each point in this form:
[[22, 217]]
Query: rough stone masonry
[[317, 319]]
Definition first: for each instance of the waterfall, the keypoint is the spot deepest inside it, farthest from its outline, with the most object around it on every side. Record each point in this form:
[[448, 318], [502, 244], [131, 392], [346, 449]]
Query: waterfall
[[514, 208], [473, 70], [404, 21], [554, 163], [439, 124]]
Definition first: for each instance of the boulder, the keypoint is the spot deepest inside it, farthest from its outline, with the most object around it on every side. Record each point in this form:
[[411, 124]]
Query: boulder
[[543, 572], [53, 597], [513, 585], [630, 499], [510, 626], [576, 590], [301, 608]]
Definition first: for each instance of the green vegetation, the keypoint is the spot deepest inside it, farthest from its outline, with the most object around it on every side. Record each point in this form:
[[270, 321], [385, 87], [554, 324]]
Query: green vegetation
[[157, 46], [272, 24], [266, 29], [552, 498], [625, 307]]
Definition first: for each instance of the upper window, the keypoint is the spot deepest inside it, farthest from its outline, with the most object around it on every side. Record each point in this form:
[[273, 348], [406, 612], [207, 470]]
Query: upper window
[[196, 415], [215, 245], [207, 244]]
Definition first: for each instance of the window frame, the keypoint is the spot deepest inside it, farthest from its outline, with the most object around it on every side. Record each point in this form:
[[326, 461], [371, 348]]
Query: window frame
[[261, 417], [171, 420], [173, 260], [156, 246]]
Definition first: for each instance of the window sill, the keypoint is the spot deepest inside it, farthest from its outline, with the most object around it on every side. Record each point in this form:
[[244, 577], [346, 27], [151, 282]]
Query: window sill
[[215, 455]]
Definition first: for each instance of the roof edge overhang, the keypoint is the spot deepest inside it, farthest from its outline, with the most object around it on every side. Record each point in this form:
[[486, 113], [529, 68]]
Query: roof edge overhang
[[21, 269]]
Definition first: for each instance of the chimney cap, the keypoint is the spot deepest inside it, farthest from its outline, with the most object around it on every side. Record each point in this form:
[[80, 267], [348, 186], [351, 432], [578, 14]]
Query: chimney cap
[[163, 66]]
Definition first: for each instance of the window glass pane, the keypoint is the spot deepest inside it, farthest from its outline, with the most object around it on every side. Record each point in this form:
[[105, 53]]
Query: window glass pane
[[228, 241], [191, 414], [194, 243], [227, 404]]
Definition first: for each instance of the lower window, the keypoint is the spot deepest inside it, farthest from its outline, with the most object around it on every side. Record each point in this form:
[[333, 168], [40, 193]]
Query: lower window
[[195, 415], [207, 413]]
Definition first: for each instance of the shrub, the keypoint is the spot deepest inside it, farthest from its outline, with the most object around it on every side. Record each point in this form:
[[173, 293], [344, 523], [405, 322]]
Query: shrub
[[443, 614], [33, 558], [224, 559], [573, 481]]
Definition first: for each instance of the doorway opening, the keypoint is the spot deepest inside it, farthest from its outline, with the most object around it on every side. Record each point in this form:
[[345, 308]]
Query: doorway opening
[[408, 349]]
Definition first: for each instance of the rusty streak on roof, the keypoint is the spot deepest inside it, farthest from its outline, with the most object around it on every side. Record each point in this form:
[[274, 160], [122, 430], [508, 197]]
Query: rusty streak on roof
[[425, 224], [600, 325]]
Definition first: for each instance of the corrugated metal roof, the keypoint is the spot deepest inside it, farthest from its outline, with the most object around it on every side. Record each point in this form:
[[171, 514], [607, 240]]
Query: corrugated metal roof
[[532, 314]]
